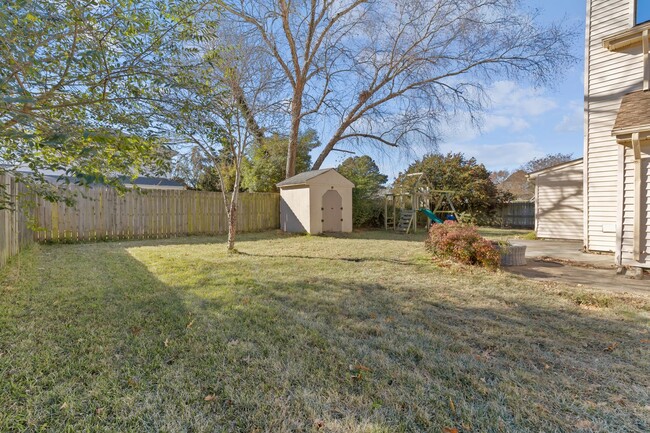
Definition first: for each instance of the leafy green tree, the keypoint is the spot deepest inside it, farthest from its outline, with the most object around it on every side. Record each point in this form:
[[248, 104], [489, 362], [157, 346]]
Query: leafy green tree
[[476, 196], [74, 82], [366, 203], [269, 159]]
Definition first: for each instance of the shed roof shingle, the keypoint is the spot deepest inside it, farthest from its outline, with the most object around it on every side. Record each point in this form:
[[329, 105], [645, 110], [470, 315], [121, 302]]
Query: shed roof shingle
[[634, 114], [303, 177]]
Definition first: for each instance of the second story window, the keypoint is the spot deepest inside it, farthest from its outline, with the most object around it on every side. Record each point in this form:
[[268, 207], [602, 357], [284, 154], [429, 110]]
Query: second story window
[[642, 11]]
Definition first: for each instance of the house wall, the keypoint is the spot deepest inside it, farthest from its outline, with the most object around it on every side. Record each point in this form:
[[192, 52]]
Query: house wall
[[627, 234], [558, 203], [609, 75], [294, 209], [319, 186]]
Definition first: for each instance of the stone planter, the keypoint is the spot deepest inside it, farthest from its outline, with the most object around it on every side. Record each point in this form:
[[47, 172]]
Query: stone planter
[[512, 255]]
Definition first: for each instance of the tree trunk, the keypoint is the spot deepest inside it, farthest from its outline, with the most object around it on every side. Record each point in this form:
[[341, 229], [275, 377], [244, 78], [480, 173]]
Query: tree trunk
[[292, 149], [294, 136], [232, 222]]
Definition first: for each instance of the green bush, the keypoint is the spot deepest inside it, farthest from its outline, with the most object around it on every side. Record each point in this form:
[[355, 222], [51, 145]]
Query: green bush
[[462, 243], [367, 212]]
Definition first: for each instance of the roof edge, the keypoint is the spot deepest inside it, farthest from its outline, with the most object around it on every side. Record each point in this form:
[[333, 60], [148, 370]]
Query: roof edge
[[534, 174], [287, 182]]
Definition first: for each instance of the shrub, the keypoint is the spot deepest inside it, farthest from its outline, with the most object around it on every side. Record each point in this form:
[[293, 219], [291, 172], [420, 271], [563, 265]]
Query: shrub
[[367, 212], [462, 243]]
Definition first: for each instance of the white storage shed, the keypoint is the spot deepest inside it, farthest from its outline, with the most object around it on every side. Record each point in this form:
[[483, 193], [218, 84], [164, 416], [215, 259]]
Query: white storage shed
[[315, 202], [559, 201]]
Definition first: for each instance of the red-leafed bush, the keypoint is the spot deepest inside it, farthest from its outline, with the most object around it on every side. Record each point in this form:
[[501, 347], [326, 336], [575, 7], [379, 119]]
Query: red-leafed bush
[[462, 243]]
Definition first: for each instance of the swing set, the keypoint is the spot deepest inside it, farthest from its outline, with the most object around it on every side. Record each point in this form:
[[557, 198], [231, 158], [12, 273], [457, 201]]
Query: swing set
[[401, 207]]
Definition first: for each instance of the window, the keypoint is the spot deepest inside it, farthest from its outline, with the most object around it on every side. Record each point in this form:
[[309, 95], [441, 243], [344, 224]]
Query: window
[[642, 13]]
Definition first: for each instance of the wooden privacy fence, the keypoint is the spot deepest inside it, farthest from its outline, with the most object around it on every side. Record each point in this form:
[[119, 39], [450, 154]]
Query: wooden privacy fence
[[14, 229], [104, 214], [519, 215]]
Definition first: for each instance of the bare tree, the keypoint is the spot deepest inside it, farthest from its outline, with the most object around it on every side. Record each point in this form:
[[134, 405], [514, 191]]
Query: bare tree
[[211, 122], [207, 107], [548, 160], [386, 72]]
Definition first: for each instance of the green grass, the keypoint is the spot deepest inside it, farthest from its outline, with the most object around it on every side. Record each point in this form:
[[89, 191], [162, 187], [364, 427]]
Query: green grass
[[357, 333], [499, 234]]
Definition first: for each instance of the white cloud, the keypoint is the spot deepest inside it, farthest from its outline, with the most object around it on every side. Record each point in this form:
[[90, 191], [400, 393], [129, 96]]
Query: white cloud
[[492, 122], [507, 97], [572, 121], [497, 156], [511, 108]]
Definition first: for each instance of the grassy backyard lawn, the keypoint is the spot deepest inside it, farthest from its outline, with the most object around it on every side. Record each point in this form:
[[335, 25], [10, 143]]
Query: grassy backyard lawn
[[358, 333]]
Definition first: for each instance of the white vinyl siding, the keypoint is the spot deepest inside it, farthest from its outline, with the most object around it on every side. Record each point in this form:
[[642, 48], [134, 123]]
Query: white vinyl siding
[[627, 235], [559, 202], [610, 75]]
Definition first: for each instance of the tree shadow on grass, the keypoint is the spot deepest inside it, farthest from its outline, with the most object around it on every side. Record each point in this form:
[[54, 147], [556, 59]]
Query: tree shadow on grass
[[401, 357], [528, 367], [103, 342], [83, 342], [328, 258], [381, 235]]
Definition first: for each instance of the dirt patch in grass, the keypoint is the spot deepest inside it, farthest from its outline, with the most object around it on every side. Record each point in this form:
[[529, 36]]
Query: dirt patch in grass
[[360, 333]]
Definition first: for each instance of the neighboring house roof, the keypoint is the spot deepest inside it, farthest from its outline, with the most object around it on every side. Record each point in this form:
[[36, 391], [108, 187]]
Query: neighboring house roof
[[152, 182], [517, 184], [307, 176], [634, 114], [140, 181], [534, 174]]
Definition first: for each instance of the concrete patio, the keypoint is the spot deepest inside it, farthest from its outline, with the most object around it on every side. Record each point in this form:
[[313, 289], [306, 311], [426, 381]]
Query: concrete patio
[[564, 261]]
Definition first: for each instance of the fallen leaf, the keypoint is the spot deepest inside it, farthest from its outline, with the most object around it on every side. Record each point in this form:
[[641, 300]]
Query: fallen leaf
[[64, 406], [449, 430], [210, 397], [452, 405], [362, 367], [189, 325], [645, 341], [166, 343], [611, 347]]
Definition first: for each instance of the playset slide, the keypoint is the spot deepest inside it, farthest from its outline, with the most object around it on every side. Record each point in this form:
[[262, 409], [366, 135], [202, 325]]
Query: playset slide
[[431, 215]]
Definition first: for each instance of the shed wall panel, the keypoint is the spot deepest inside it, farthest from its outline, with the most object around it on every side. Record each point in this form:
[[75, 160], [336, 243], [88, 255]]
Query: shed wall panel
[[559, 203], [294, 210]]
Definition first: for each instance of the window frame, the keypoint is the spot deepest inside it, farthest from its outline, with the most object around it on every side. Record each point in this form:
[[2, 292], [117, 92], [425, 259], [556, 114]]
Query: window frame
[[635, 15]]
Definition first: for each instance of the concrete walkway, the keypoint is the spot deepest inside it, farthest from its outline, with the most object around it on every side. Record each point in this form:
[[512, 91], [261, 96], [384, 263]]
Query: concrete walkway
[[564, 261]]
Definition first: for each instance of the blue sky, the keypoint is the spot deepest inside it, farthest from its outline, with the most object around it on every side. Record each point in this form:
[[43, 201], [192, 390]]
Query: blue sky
[[523, 122], [643, 11]]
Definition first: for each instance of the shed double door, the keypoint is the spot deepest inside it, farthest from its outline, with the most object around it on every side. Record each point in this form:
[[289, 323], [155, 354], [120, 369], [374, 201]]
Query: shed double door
[[332, 211]]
